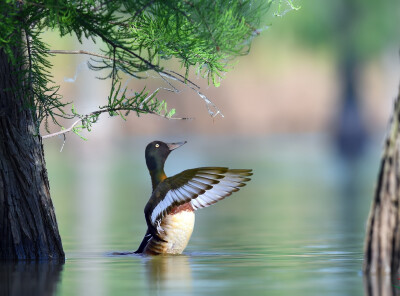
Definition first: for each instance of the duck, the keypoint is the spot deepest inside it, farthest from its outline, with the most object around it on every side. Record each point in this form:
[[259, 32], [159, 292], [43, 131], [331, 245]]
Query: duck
[[170, 210]]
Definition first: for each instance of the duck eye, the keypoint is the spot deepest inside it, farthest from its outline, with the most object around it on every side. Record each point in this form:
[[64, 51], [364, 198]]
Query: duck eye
[[157, 145]]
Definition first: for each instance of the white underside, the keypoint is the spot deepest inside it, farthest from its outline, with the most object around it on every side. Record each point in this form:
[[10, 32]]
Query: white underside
[[176, 231]]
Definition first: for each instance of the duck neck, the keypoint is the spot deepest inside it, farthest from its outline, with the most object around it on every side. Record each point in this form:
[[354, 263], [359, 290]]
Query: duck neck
[[157, 176]]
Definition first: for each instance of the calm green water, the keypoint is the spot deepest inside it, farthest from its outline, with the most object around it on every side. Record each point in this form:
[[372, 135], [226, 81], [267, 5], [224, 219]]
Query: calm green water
[[296, 229]]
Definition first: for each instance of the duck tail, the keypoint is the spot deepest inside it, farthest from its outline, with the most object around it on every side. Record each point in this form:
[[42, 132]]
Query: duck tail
[[144, 242]]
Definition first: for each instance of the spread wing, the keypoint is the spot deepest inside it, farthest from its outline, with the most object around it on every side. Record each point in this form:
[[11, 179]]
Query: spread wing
[[201, 187]]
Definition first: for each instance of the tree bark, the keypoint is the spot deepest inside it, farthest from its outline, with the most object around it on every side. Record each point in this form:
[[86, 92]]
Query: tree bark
[[28, 226], [382, 244]]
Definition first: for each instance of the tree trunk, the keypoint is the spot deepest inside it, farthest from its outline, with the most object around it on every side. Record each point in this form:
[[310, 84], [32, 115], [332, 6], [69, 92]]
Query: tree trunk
[[28, 226], [382, 244]]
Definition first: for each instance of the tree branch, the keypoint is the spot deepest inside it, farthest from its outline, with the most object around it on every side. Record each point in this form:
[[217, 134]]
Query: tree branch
[[64, 131], [142, 9], [211, 107], [55, 51], [108, 110]]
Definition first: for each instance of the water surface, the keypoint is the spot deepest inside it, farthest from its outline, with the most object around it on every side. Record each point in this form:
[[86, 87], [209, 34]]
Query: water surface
[[296, 229]]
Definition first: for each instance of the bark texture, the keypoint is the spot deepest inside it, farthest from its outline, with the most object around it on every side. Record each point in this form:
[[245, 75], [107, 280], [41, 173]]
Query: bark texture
[[382, 244], [28, 226]]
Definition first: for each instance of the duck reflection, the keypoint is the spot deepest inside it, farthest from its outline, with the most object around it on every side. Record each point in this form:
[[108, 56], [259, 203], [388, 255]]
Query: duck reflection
[[29, 278], [381, 285], [169, 273]]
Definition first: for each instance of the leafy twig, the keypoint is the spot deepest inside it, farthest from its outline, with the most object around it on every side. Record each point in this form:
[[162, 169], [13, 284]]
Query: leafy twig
[[213, 110], [56, 51], [99, 112]]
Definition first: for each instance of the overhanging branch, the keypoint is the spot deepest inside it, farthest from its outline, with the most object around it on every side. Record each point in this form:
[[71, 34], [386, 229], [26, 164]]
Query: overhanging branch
[[212, 109], [108, 110], [56, 51]]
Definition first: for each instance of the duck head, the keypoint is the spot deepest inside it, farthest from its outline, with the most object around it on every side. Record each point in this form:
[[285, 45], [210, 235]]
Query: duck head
[[156, 154]]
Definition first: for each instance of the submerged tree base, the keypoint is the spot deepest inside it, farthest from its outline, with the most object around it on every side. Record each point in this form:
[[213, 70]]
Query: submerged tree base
[[382, 244]]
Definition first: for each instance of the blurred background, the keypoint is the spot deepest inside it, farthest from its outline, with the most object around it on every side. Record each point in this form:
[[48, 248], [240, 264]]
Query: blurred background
[[307, 109]]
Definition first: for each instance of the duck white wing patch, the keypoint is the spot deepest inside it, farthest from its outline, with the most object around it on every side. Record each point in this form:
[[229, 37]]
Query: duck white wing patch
[[201, 187], [174, 197]]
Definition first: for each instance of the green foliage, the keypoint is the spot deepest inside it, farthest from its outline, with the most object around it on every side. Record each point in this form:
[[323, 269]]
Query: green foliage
[[121, 105], [8, 24], [136, 36], [47, 102]]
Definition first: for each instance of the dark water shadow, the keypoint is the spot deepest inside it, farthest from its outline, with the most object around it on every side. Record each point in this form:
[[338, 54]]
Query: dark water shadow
[[381, 285], [122, 254], [29, 278]]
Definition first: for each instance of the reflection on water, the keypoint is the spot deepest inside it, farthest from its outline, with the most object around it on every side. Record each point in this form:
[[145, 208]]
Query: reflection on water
[[169, 273], [29, 278], [381, 285], [296, 229]]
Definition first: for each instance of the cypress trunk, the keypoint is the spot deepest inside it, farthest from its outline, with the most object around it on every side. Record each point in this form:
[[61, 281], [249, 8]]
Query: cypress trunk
[[382, 244], [28, 226]]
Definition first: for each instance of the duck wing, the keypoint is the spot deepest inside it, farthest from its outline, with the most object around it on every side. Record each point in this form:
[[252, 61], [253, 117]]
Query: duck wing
[[201, 187]]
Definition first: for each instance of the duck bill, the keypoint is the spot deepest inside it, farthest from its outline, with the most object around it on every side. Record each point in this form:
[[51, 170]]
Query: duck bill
[[173, 146]]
